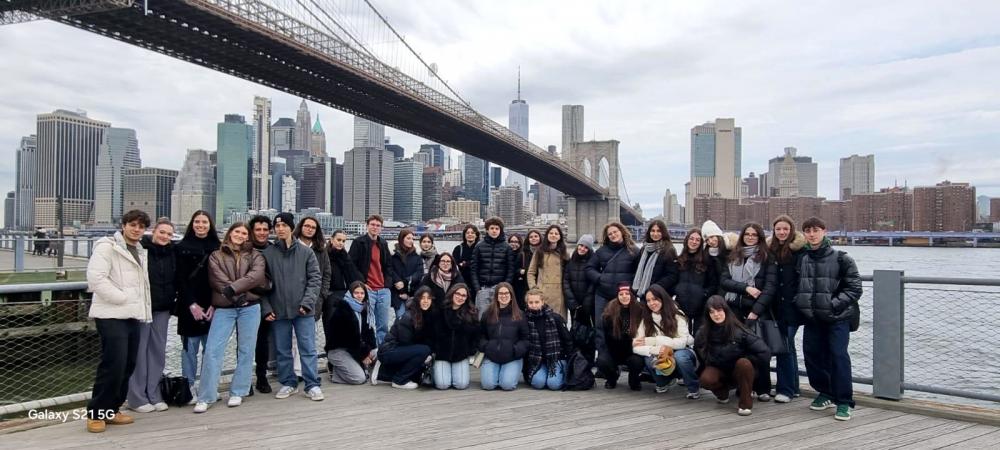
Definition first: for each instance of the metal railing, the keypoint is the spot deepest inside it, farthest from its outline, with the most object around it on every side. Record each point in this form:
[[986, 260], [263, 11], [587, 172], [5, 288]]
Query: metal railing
[[20, 253]]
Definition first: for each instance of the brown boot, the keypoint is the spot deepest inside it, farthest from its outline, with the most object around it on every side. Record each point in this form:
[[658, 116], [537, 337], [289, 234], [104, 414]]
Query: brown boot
[[120, 418], [96, 426]]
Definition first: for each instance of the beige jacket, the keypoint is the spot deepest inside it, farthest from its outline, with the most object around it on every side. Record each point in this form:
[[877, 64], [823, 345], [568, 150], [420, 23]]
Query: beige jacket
[[120, 284], [548, 277]]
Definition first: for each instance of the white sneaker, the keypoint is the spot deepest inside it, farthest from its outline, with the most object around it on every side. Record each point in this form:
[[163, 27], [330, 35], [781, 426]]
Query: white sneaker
[[147, 408], [408, 385], [722, 401], [743, 412], [285, 392], [662, 389], [234, 401], [375, 368], [194, 395], [781, 398], [764, 397], [693, 395], [315, 394], [161, 406], [200, 407]]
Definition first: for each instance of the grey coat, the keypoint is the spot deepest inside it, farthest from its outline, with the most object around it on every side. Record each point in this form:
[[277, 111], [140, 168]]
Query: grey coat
[[296, 280]]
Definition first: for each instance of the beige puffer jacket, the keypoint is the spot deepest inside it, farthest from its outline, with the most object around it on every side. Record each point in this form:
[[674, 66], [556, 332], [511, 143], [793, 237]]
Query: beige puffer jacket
[[120, 284]]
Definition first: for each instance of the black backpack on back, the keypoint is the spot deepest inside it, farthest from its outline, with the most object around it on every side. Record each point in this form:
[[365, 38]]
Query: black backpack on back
[[579, 373]]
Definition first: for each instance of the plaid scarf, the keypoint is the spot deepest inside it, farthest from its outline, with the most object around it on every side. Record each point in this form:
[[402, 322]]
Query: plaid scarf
[[549, 347]]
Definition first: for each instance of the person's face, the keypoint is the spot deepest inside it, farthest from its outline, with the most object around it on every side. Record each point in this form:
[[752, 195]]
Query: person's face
[[750, 237], [308, 229], [338, 241], [359, 294], [162, 234], [625, 297], [425, 302], [553, 236], [713, 241], [261, 231], [534, 239], [459, 297], [694, 242], [493, 231], [426, 244], [503, 297], [653, 302], [238, 235], [814, 235], [283, 231], [534, 302], [470, 235], [717, 315], [374, 227], [446, 263], [582, 249], [615, 235], [408, 241], [782, 230], [515, 243], [655, 233], [200, 225], [133, 230]]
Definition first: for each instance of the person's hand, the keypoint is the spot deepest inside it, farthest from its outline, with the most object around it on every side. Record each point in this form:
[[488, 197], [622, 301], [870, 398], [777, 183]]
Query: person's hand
[[270, 317], [367, 361], [754, 292], [302, 311], [404, 296], [399, 285], [522, 271], [210, 313], [228, 292], [196, 312], [752, 316], [637, 342], [368, 288]]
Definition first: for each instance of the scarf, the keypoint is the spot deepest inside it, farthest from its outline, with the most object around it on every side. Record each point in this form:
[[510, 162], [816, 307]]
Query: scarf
[[644, 273], [441, 278], [713, 251], [548, 347], [428, 256], [825, 243], [744, 272], [358, 308]]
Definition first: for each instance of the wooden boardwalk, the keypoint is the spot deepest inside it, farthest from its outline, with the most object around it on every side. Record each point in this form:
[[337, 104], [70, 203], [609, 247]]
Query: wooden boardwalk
[[383, 417]]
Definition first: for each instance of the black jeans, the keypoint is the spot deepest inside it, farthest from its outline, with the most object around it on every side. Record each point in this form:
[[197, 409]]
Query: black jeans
[[608, 366], [262, 353], [404, 363], [119, 346]]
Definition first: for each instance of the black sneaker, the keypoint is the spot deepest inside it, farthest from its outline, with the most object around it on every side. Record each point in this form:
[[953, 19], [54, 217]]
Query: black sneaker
[[250, 393], [263, 386], [610, 384]]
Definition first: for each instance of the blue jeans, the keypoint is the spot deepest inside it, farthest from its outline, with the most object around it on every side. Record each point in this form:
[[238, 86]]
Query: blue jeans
[[305, 336], [404, 363], [542, 379], [828, 365], [382, 301], [245, 320], [449, 374], [194, 345], [685, 362], [787, 367], [505, 375]]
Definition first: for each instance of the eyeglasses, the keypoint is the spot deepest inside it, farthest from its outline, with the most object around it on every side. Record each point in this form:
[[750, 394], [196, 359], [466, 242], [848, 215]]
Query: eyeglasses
[[309, 226], [461, 295], [753, 235], [503, 293]]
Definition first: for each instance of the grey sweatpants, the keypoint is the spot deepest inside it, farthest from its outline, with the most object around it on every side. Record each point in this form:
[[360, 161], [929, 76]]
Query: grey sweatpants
[[345, 369], [144, 385]]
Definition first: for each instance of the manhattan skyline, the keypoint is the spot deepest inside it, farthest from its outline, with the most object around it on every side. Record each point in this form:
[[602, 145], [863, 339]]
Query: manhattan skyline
[[865, 79]]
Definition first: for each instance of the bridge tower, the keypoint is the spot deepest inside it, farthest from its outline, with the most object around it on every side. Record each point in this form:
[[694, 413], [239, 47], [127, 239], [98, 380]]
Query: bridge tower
[[597, 160]]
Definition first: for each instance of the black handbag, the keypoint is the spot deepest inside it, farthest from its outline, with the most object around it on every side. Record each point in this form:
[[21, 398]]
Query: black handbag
[[768, 331], [583, 335], [175, 390]]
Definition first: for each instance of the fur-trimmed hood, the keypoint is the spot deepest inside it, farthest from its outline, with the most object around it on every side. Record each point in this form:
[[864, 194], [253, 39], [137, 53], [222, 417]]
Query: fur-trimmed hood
[[798, 242], [731, 239]]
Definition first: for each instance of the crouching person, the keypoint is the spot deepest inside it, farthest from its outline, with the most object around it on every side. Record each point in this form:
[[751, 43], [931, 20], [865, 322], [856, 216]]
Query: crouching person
[[350, 336], [549, 344], [670, 330], [730, 354]]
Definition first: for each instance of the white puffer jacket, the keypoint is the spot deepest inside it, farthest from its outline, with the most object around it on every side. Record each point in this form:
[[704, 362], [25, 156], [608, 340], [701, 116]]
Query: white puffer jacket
[[652, 345], [120, 284]]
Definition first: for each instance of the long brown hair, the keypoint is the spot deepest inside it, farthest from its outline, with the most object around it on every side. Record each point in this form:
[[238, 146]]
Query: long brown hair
[[225, 239], [665, 246], [780, 250], [492, 313], [668, 312], [399, 242], [626, 236], [729, 326], [559, 249], [636, 314], [413, 307], [697, 258], [736, 255], [467, 312]]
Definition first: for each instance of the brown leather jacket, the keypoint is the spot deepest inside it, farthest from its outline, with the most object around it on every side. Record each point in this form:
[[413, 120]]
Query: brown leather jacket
[[243, 270]]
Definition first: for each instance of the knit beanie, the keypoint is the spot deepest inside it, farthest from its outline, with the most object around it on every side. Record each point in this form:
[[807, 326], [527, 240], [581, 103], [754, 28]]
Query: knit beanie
[[285, 218], [587, 240], [709, 229]]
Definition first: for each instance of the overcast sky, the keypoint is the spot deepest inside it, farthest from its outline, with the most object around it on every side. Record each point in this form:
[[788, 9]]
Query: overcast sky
[[915, 83]]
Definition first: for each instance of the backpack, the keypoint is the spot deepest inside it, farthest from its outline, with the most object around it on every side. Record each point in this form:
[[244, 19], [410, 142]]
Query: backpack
[[579, 373]]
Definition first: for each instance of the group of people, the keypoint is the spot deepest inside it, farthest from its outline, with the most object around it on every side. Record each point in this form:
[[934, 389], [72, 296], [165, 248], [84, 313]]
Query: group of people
[[517, 308]]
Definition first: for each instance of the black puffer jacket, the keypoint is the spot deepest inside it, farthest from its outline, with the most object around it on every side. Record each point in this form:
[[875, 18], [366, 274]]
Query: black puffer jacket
[[619, 348], [829, 286], [577, 289], [788, 282], [192, 284], [506, 340], [404, 332], [344, 332], [612, 264], [492, 262], [454, 339], [765, 280], [693, 287], [162, 266], [463, 258], [408, 268], [722, 352], [342, 271]]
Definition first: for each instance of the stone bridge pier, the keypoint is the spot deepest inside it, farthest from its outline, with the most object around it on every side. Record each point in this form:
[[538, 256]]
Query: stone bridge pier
[[597, 160]]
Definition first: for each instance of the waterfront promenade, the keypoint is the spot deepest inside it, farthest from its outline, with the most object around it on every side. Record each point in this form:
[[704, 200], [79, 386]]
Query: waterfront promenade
[[382, 417]]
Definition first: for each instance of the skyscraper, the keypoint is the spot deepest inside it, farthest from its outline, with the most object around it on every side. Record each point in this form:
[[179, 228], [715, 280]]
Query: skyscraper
[[234, 164], [436, 152], [119, 152], [495, 176], [317, 144], [368, 134], [368, 183], [8, 211], [433, 199], [782, 168], [67, 153], [671, 209], [517, 121], [572, 130], [945, 206], [148, 189], [857, 175], [303, 134], [407, 198], [277, 174], [24, 184], [195, 186], [260, 193], [509, 204], [716, 149], [396, 150], [322, 185], [282, 136], [288, 193], [476, 177]]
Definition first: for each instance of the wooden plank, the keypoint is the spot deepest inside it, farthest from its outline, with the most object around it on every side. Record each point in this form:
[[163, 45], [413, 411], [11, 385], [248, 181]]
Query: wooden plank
[[912, 438], [956, 437], [862, 417], [989, 440]]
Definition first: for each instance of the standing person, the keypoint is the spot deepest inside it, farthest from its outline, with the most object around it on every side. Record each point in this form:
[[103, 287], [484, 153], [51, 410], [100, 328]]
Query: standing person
[[343, 274], [522, 257], [117, 274], [295, 280], [620, 322], [151, 357], [427, 251], [750, 280], [370, 254], [456, 333], [718, 245], [614, 263], [463, 251], [406, 352], [492, 262], [785, 248], [194, 295], [670, 329], [442, 275], [657, 259], [578, 291], [549, 344], [234, 270], [310, 235], [829, 290], [408, 268], [696, 280], [504, 340], [730, 355], [546, 270], [350, 336], [260, 233]]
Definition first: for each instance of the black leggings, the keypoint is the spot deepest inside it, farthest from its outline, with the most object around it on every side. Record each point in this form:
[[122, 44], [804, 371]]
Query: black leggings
[[608, 365]]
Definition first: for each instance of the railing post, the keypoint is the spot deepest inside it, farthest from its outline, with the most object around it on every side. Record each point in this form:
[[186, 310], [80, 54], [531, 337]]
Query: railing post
[[887, 325], [19, 254]]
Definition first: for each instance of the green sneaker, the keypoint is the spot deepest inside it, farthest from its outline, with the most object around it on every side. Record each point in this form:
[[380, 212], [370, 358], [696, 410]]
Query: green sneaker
[[822, 402], [843, 412]]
